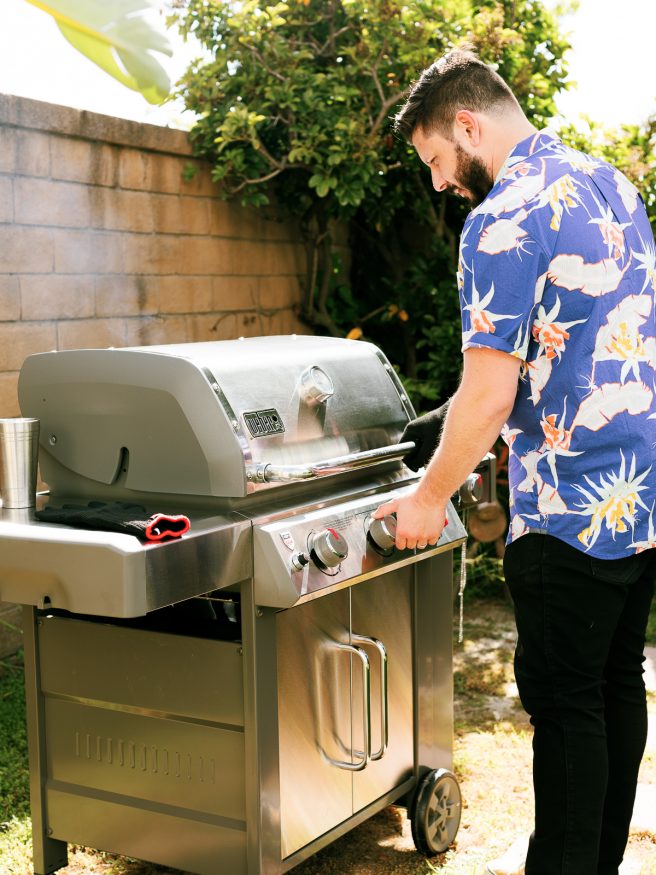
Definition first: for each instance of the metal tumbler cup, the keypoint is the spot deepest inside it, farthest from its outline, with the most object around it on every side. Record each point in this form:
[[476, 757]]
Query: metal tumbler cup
[[19, 454]]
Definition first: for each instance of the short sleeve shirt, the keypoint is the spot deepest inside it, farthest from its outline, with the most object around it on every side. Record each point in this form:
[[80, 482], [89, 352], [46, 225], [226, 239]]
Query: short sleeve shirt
[[558, 268]]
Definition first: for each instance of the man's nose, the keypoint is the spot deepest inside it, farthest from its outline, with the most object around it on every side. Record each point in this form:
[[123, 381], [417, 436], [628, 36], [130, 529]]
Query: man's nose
[[439, 182]]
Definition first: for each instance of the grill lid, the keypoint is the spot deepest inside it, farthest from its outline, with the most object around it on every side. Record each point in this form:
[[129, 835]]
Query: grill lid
[[212, 419]]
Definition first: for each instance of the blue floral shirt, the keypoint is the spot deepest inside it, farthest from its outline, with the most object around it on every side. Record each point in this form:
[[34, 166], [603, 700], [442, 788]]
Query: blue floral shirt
[[558, 268]]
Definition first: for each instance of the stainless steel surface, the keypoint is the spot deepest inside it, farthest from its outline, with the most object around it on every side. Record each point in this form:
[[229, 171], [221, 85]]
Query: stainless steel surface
[[145, 730], [314, 718], [381, 650], [188, 419], [381, 608], [265, 472], [261, 734], [488, 471], [282, 581], [382, 532], [432, 636], [359, 759], [19, 455], [328, 549], [228, 757], [471, 490], [323, 731], [316, 386], [116, 575], [48, 853]]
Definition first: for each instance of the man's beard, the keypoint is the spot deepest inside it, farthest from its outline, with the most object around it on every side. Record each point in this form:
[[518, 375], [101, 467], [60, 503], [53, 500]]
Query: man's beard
[[472, 176]]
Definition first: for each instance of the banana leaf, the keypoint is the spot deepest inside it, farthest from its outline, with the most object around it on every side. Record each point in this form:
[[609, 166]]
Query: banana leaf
[[113, 35]]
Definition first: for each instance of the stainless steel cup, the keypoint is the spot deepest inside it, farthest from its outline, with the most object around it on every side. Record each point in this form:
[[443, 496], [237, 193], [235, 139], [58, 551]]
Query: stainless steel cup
[[19, 455]]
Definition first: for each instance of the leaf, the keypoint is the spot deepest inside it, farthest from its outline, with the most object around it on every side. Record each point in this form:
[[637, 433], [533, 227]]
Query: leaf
[[117, 39], [610, 399]]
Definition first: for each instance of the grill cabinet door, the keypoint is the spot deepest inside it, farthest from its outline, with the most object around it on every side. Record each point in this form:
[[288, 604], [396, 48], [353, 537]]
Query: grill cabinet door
[[381, 609], [314, 719]]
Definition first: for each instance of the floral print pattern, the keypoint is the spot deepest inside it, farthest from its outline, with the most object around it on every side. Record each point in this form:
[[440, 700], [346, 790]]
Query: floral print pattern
[[564, 252]]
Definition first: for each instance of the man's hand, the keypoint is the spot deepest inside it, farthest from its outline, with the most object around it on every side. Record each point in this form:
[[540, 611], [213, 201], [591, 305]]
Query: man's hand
[[475, 416], [418, 523]]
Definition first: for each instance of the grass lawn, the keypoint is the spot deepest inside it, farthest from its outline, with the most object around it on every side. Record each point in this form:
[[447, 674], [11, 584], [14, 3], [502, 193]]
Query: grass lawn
[[492, 762]]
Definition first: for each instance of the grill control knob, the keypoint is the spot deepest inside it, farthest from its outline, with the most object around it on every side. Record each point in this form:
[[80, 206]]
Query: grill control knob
[[299, 561], [381, 533], [328, 548], [471, 490]]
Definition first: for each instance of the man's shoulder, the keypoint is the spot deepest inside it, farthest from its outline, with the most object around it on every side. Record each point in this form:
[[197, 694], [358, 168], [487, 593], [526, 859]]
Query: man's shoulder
[[532, 180]]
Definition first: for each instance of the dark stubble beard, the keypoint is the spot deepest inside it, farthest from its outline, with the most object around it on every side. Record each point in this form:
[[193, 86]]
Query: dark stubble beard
[[472, 176]]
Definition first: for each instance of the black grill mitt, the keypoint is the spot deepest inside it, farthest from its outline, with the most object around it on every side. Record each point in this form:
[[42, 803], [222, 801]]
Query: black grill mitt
[[116, 516], [425, 432]]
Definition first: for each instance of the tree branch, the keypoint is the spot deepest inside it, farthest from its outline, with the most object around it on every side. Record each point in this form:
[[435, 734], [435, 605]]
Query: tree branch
[[256, 181], [379, 88], [259, 57], [330, 42], [387, 105]]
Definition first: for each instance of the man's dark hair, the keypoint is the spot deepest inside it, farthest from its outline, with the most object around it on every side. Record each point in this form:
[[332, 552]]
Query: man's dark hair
[[459, 80]]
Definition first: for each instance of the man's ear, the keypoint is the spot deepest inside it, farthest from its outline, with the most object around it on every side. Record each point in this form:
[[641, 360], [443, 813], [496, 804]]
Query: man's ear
[[468, 124]]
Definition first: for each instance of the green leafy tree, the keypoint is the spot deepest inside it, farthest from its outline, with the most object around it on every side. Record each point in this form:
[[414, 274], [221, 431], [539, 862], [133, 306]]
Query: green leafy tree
[[295, 107]]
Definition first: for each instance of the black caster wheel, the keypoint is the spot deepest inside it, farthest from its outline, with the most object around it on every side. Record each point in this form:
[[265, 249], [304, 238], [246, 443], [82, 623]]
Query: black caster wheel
[[435, 812]]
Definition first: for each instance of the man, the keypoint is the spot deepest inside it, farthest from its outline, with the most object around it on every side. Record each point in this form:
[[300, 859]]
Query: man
[[557, 276]]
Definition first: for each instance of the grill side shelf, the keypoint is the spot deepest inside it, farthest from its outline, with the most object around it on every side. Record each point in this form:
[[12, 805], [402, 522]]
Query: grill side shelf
[[115, 575]]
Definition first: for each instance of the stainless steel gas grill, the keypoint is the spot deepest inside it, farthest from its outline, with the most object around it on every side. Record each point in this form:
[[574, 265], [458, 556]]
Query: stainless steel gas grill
[[231, 701]]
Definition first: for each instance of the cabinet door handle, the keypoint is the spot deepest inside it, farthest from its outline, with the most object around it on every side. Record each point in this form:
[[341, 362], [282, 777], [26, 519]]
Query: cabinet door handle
[[384, 712], [365, 755]]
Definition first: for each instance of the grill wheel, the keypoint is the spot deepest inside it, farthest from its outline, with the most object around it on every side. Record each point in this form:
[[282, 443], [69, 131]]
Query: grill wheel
[[435, 812]]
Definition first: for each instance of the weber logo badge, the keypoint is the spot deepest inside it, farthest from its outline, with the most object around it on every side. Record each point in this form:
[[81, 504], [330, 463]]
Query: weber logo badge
[[262, 423]]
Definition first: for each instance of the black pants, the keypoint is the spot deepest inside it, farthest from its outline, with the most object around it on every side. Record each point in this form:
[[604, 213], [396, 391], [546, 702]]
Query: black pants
[[578, 664]]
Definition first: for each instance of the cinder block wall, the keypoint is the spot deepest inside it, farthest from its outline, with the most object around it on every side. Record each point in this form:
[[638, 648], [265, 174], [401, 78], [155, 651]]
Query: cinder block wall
[[103, 242]]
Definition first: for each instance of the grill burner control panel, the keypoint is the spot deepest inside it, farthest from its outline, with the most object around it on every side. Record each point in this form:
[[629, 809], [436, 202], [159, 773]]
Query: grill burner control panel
[[297, 558]]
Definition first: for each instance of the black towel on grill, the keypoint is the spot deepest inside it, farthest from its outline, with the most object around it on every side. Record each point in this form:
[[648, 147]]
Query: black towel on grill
[[425, 432], [116, 516]]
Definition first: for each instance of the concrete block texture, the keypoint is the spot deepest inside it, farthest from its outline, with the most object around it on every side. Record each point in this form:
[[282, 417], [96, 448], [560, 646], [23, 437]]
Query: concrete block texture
[[88, 251], [10, 304], [150, 330], [9, 393], [184, 294], [26, 250], [280, 291], [57, 296], [235, 292], [6, 199], [91, 333], [76, 160], [7, 150], [148, 171], [32, 153], [114, 209], [214, 326], [123, 295], [180, 214], [107, 240], [44, 202], [20, 339]]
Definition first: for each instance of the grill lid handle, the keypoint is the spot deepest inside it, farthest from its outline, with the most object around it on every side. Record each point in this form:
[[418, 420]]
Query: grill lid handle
[[266, 472]]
